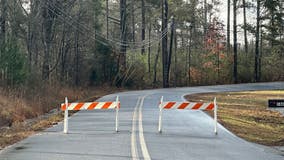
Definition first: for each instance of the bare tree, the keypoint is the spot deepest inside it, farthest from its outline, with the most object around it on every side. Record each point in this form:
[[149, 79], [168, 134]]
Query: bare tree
[[3, 17], [235, 42], [133, 20], [155, 65], [107, 15], [48, 18], [245, 26], [77, 50], [256, 65], [171, 45], [122, 54], [143, 25], [165, 44], [228, 26]]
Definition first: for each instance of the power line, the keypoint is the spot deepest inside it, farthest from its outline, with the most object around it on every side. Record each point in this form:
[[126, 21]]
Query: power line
[[116, 41], [96, 39]]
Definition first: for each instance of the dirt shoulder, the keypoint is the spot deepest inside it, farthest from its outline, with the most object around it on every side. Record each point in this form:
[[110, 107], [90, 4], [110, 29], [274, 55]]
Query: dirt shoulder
[[246, 114]]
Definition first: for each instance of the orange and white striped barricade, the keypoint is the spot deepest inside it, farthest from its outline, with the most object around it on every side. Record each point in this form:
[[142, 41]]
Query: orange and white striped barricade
[[76, 106], [188, 106]]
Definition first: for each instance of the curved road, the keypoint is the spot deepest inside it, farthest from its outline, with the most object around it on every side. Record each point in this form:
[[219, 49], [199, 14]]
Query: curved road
[[186, 134]]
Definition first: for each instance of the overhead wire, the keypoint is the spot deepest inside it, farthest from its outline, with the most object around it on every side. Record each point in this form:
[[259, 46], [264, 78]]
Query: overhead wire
[[132, 46], [116, 41], [96, 39]]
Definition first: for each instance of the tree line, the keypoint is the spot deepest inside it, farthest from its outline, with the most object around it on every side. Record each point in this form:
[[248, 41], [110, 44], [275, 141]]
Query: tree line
[[139, 43]]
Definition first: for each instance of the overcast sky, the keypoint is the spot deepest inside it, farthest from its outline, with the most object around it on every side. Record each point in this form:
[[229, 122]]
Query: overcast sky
[[251, 14]]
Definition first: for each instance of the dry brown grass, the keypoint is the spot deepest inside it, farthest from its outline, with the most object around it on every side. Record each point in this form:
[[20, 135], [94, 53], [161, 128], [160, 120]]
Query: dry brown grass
[[17, 106], [19, 130], [246, 115]]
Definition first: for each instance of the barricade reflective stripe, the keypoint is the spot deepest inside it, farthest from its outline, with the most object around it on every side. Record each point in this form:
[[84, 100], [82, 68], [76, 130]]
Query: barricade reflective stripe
[[187, 105], [90, 106]]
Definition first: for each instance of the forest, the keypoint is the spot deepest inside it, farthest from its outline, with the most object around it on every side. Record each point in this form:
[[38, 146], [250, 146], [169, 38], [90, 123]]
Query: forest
[[88, 48], [140, 43]]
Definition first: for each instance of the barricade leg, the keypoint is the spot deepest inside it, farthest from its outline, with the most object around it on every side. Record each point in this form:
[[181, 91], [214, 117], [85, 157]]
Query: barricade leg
[[65, 130], [215, 116], [160, 115], [116, 116]]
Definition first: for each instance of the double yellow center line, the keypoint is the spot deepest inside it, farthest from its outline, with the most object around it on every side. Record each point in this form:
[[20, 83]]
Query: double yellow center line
[[137, 116]]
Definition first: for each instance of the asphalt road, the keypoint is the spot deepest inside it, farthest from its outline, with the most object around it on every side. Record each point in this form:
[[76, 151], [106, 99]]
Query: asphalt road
[[186, 134]]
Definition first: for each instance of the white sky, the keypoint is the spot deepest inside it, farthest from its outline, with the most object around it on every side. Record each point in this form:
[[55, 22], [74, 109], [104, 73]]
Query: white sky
[[251, 14]]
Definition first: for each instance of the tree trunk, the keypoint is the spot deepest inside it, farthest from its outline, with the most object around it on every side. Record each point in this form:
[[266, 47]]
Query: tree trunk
[[165, 44], [205, 19], [228, 26], [107, 15], [256, 65], [77, 54], [3, 7], [133, 20], [155, 65], [47, 36], [235, 43], [3, 21], [260, 54], [149, 50], [171, 46], [190, 34], [245, 26], [62, 51], [175, 60], [122, 54], [143, 26]]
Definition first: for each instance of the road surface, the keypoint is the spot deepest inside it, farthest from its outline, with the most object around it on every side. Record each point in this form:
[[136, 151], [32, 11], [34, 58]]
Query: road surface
[[186, 134]]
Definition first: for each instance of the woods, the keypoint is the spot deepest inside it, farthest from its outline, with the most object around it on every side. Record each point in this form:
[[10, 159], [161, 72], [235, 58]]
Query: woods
[[140, 43]]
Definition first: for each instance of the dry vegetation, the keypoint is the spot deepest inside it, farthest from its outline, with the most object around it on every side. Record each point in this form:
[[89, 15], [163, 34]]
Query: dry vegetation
[[22, 114], [246, 114]]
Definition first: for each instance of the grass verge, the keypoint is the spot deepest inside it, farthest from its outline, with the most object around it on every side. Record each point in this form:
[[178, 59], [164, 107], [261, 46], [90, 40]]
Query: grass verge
[[21, 130], [246, 114], [22, 115]]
